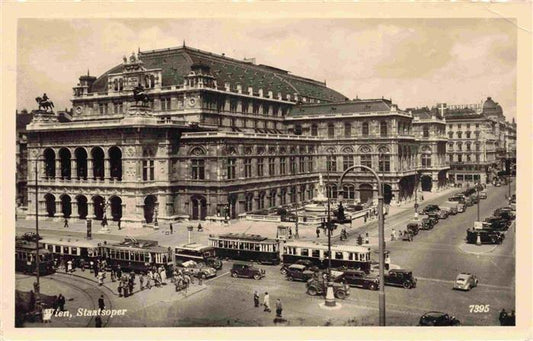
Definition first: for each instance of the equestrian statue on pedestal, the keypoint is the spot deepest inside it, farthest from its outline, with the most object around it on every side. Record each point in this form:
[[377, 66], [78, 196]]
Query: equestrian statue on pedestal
[[139, 95], [45, 103]]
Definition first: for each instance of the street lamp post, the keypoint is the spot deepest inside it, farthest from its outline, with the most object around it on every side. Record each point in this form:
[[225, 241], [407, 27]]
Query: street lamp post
[[478, 200], [381, 237], [37, 285], [296, 235], [330, 296]]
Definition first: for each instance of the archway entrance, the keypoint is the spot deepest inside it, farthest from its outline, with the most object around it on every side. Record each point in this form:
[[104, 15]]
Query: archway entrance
[[426, 183], [366, 193], [149, 208], [116, 208], [50, 201], [387, 194], [98, 204], [66, 206], [82, 206], [199, 207]]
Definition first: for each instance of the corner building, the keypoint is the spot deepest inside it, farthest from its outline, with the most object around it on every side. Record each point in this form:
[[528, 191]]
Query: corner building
[[219, 136]]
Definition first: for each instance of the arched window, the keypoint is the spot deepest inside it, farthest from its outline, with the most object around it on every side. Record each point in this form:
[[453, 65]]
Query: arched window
[[349, 192], [49, 163], [365, 129], [249, 200], [425, 131], [332, 191], [383, 128]]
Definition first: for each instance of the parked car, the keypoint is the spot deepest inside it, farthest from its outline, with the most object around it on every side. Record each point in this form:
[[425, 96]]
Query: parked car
[[306, 262], [246, 270], [358, 278], [192, 268], [407, 236], [497, 223], [318, 286], [427, 223], [483, 195], [298, 272], [413, 227], [450, 206], [400, 277], [430, 208], [460, 200], [465, 281], [505, 213], [486, 236], [434, 215], [437, 318]]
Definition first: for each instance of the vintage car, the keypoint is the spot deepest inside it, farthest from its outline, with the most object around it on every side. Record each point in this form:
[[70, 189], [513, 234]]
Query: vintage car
[[246, 270], [400, 277], [430, 208], [497, 223], [318, 285], [465, 281], [485, 236], [437, 318], [434, 215], [449, 210], [306, 262], [413, 227], [298, 272], [407, 236], [358, 278], [505, 212], [192, 268], [483, 195], [427, 223]]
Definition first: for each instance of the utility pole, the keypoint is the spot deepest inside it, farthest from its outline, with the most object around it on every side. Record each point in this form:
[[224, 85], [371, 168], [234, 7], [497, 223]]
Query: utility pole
[[478, 200], [37, 285], [330, 296]]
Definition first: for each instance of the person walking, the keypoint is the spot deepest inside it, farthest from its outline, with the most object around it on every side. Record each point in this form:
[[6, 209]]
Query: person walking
[[141, 281], [279, 308], [98, 322], [502, 317], [61, 302], [65, 225], [101, 276], [266, 302], [256, 299], [163, 273], [171, 229], [101, 304], [69, 267], [95, 269], [393, 235], [119, 289], [118, 224], [317, 232]]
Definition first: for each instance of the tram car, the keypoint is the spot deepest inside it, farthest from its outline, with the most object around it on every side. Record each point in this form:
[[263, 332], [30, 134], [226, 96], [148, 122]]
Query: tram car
[[72, 248], [247, 247], [136, 254], [25, 258], [343, 256], [199, 253]]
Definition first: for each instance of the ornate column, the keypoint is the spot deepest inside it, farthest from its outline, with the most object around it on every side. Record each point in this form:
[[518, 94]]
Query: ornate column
[[107, 167], [90, 210], [74, 209], [73, 170], [90, 173], [59, 211], [58, 168]]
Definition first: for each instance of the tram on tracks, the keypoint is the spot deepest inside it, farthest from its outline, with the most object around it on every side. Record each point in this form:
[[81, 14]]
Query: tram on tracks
[[26, 255], [73, 248], [248, 247], [136, 254], [343, 256], [201, 254]]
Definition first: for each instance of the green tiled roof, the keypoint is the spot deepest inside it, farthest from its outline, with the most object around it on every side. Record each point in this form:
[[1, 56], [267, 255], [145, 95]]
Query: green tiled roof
[[176, 64]]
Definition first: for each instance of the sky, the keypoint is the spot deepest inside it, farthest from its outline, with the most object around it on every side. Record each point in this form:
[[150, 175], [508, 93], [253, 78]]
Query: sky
[[415, 62]]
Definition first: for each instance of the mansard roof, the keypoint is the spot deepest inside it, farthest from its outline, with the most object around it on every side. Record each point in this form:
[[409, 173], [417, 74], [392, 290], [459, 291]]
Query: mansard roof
[[354, 106], [176, 64]]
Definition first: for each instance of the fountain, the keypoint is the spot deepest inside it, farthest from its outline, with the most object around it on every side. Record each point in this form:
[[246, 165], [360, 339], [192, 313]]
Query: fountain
[[319, 202]]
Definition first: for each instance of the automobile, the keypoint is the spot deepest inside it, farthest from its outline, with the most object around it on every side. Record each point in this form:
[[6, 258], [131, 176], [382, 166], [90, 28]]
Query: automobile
[[31, 237], [298, 272], [461, 208], [306, 262], [483, 195], [505, 213], [449, 210], [192, 268], [442, 214], [430, 208], [485, 236], [413, 227], [358, 278], [497, 184], [318, 286], [497, 223], [437, 318], [469, 201], [400, 277], [407, 236], [465, 281], [434, 215], [460, 198], [451, 206], [247, 270], [427, 223]]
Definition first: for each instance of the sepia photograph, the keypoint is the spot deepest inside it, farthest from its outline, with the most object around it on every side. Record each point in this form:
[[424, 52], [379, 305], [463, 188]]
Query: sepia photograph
[[273, 172]]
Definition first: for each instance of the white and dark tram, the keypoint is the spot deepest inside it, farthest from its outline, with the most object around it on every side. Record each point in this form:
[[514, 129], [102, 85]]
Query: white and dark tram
[[248, 247]]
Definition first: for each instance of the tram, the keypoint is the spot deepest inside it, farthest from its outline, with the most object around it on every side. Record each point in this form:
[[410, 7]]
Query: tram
[[25, 258], [248, 247], [72, 248], [198, 253], [346, 256], [136, 254]]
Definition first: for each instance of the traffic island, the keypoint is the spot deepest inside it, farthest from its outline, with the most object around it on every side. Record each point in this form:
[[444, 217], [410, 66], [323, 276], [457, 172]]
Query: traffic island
[[477, 249]]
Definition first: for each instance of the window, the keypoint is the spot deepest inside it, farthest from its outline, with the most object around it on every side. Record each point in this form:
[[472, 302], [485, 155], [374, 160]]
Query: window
[[366, 160], [304, 252], [292, 194], [451, 158], [426, 131], [231, 168], [255, 108], [298, 129], [365, 129], [331, 130], [315, 253], [260, 167], [468, 126], [450, 135], [468, 134], [233, 105], [292, 165], [459, 126], [383, 128], [198, 169], [283, 196], [468, 146], [117, 108], [459, 158], [314, 130], [331, 163], [271, 166], [261, 201], [332, 191], [310, 164], [302, 164], [148, 170], [272, 198], [426, 160], [347, 130], [249, 202], [165, 103], [349, 192], [347, 162], [247, 168], [302, 193], [468, 157], [384, 163], [245, 107], [338, 255], [282, 166]]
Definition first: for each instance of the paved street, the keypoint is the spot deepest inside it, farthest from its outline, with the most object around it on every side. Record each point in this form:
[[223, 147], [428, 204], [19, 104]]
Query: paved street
[[435, 256]]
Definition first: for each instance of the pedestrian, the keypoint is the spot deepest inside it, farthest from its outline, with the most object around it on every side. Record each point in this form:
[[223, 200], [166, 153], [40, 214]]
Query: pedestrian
[[503, 317], [511, 320], [163, 273], [69, 266], [130, 286], [171, 228], [98, 322], [279, 308], [366, 217], [82, 264], [317, 232], [118, 224], [119, 271], [101, 304], [66, 223], [149, 280], [256, 299], [141, 282], [266, 302], [101, 276], [367, 239], [95, 269], [61, 302], [119, 289], [200, 228], [393, 235]]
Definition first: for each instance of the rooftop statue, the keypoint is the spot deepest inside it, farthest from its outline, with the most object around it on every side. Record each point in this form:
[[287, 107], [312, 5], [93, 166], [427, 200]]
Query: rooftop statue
[[45, 102]]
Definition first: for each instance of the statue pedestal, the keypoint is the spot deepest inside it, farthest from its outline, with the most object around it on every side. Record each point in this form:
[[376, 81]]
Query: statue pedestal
[[43, 116], [139, 114]]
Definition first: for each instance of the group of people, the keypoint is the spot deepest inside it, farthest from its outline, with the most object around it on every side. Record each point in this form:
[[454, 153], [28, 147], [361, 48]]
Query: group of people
[[507, 319], [266, 303], [153, 277]]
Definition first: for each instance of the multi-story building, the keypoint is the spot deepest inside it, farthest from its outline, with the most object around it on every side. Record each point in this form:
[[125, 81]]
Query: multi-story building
[[23, 118]]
